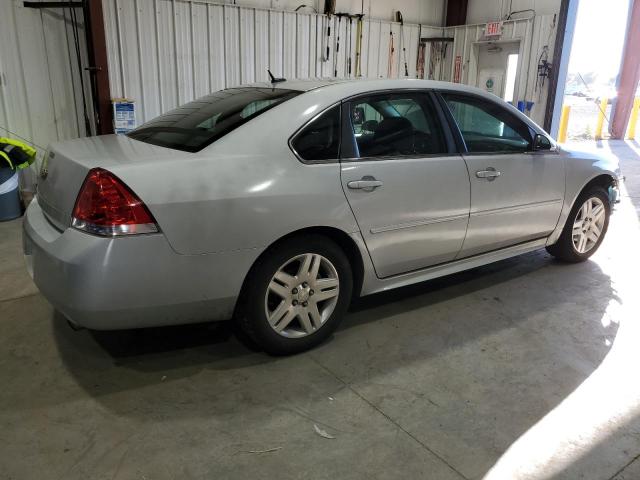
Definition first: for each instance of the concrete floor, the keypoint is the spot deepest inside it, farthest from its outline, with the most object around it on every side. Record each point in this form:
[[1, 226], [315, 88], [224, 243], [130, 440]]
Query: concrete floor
[[523, 369]]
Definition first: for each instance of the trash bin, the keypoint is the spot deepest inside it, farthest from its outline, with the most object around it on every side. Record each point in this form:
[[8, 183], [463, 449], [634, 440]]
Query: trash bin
[[10, 206]]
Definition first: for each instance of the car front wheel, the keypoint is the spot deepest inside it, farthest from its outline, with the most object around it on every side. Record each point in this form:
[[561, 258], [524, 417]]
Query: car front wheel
[[585, 228], [297, 295]]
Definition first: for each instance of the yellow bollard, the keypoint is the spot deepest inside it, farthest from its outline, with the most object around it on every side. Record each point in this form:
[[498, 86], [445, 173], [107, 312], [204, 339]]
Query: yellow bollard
[[634, 119], [603, 108], [564, 122]]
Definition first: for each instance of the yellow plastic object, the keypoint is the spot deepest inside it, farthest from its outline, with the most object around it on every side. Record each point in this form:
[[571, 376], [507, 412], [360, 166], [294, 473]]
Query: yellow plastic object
[[633, 121], [564, 122], [30, 151], [603, 108]]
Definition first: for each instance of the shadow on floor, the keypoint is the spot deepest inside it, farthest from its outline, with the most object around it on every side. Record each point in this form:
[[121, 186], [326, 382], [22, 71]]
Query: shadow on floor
[[128, 360]]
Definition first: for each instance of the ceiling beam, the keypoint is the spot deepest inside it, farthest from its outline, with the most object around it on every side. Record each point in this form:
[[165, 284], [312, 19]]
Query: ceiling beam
[[52, 4], [456, 13]]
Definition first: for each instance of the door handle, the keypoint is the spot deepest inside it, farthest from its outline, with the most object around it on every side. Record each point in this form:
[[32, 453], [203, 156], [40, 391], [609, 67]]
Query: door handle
[[368, 184], [490, 174]]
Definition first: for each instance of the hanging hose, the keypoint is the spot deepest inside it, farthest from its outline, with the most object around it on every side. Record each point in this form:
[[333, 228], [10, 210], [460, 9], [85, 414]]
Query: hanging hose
[[335, 55], [350, 48]]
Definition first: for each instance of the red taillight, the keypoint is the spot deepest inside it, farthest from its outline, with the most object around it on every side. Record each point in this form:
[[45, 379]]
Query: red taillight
[[106, 206]]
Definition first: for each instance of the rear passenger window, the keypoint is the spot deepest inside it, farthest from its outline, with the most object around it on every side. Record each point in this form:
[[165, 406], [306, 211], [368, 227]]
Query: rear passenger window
[[486, 126], [320, 138], [193, 126], [396, 125]]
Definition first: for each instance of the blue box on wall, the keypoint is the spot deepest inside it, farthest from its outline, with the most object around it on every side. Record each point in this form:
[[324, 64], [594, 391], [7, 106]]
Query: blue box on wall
[[124, 115]]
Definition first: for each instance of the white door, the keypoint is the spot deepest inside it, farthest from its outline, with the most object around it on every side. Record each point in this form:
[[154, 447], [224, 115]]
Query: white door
[[497, 66]]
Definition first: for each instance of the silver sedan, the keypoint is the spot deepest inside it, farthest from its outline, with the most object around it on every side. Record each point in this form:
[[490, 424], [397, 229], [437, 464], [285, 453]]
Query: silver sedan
[[274, 204]]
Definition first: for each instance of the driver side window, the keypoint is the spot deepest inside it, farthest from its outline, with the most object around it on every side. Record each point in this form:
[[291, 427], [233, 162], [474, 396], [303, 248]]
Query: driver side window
[[486, 127], [396, 125]]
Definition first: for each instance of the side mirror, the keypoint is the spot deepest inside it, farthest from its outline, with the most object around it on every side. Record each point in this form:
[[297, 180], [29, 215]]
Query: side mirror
[[542, 142], [358, 116]]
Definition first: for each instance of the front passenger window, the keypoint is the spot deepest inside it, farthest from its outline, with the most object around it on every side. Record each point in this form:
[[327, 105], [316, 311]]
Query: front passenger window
[[486, 127]]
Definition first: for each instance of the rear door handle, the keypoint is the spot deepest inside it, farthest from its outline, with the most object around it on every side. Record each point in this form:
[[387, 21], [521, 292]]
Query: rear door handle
[[490, 174], [367, 183]]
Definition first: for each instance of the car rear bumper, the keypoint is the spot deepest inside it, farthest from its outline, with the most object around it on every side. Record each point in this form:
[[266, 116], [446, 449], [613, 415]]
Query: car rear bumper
[[129, 282]]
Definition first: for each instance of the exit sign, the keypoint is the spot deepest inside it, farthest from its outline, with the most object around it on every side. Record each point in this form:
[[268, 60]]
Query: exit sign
[[493, 29]]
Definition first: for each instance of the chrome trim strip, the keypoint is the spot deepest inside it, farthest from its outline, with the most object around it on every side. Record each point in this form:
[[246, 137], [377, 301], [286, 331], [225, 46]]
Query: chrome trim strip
[[515, 208], [413, 156], [553, 150], [418, 223]]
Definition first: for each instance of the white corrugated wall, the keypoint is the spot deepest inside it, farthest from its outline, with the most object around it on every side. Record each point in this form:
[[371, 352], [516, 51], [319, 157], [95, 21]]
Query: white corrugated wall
[[163, 53], [166, 52], [40, 95]]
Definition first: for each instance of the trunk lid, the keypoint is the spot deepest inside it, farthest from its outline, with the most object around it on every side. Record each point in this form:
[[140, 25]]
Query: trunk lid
[[67, 163]]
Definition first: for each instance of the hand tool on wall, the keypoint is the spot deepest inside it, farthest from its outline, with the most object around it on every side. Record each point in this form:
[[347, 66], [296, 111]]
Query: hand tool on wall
[[404, 49], [420, 60], [392, 54], [327, 50], [329, 10]]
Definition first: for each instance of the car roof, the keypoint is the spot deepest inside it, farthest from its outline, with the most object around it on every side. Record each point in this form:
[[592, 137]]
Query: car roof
[[302, 85], [340, 88], [366, 84]]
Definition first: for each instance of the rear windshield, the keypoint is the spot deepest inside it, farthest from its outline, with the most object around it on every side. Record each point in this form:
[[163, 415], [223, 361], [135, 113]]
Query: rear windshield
[[195, 125]]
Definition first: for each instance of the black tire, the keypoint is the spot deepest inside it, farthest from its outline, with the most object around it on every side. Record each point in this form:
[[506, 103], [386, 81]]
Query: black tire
[[252, 315], [564, 248]]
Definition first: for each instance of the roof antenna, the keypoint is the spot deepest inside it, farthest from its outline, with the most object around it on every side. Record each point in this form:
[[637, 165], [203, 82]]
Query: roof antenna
[[274, 79]]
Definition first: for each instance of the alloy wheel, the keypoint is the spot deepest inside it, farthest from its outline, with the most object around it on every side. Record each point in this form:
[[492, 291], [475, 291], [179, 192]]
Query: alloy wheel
[[588, 225], [302, 295]]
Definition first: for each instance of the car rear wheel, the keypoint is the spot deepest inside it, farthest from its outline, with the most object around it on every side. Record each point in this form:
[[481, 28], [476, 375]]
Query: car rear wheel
[[585, 228], [296, 295]]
